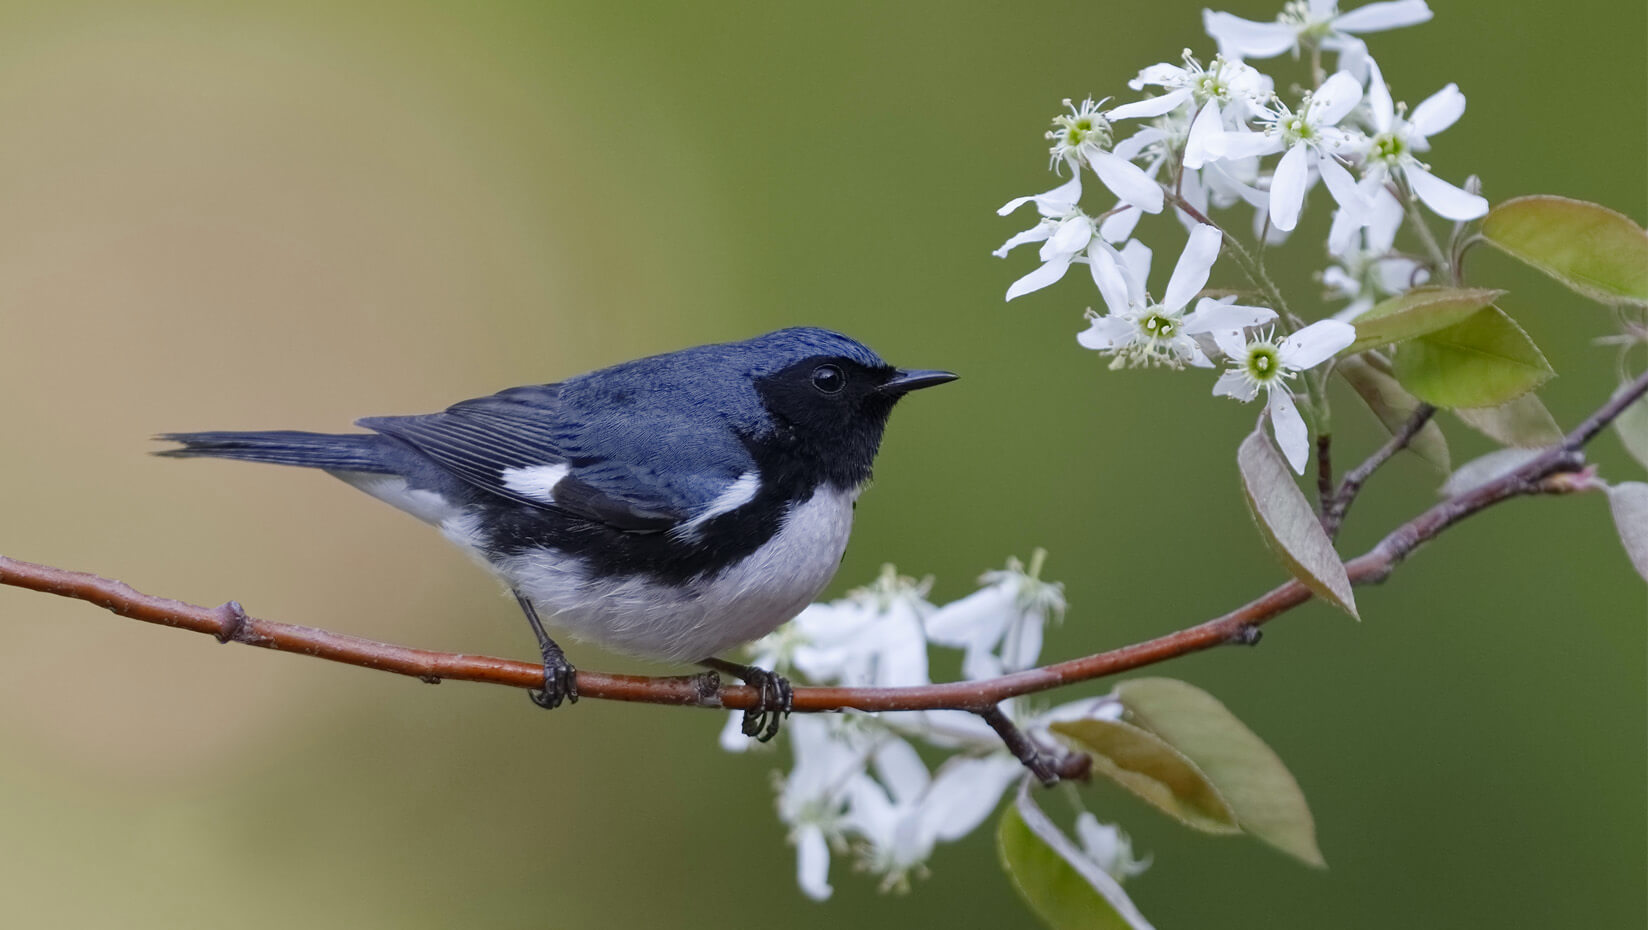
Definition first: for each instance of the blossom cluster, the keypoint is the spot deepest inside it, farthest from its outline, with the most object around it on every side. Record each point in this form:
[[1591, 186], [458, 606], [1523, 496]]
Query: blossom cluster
[[859, 783], [1203, 142], [1215, 138]]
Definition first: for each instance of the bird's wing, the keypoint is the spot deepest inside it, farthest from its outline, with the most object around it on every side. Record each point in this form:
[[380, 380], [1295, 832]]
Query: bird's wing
[[521, 445]]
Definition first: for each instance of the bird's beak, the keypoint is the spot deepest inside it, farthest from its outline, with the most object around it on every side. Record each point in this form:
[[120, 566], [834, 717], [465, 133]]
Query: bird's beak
[[904, 381]]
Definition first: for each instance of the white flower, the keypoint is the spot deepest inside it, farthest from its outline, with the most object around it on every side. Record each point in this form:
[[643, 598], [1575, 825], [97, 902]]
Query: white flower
[[1008, 613], [1225, 90], [1390, 151], [1141, 332], [813, 798], [1064, 231], [1367, 270], [901, 816], [1264, 363], [1084, 136], [871, 639], [1316, 22], [1109, 848], [1310, 138]]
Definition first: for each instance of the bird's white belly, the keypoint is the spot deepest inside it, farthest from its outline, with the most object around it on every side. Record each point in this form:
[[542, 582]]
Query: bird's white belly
[[706, 615]]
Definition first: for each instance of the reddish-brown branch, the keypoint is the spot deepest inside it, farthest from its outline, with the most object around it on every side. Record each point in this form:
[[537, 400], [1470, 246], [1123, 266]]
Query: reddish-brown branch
[[1553, 472]]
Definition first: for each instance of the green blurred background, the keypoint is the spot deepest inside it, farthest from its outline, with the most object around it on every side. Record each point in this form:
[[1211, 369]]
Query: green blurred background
[[291, 215]]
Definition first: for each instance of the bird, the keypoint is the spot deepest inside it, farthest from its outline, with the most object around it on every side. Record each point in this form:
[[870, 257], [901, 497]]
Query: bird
[[670, 508]]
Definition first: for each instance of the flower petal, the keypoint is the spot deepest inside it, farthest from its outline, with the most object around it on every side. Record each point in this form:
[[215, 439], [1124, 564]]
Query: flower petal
[[1291, 435], [1120, 223], [1376, 17], [1439, 111], [1206, 136], [1111, 281], [1127, 180], [1287, 187], [1342, 186], [1342, 233], [1135, 259], [1150, 106], [1195, 263], [1055, 202], [1048, 273], [1379, 99], [964, 792], [1314, 344], [1107, 332], [1036, 233], [812, 863], [1233, 383], [1443, 198], [1244, 38], [1337, 96], [900, 768], [1130, 147], [1161, 74], [1237, 145], [1071, 236], [1214, 315]]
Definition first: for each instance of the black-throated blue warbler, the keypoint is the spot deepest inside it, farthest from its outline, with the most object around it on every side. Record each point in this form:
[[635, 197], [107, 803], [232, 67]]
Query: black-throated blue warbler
[[671, 507]]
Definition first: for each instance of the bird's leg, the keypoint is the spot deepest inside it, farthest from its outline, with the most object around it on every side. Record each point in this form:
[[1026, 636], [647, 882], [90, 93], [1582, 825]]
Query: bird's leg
[[762, 720], [560, 678]]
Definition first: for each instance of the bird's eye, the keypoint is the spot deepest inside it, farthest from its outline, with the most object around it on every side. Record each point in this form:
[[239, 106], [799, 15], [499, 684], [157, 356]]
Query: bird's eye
[[829, 379]]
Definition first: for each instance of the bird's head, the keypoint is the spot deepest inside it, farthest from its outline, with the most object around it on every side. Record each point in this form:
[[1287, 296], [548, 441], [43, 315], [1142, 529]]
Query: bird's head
[[829, 396]]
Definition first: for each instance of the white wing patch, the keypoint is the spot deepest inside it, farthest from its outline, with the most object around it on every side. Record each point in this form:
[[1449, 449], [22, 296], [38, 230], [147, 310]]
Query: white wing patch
[[537, 482], [737, 494]]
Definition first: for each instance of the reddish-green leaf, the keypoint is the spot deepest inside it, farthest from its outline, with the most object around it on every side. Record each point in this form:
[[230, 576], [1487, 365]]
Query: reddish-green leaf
[[1483, 469], [1248, 774], [1289, 525], [1141, 762], [1372, 380], [1629, 503], [1632, 427], [1523, 423], [1064, 888], [1415, 313], [1590, 248], [1483, 362]]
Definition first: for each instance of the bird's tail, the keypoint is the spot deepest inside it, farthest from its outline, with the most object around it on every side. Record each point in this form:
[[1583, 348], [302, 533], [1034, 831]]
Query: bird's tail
[[333, 452]]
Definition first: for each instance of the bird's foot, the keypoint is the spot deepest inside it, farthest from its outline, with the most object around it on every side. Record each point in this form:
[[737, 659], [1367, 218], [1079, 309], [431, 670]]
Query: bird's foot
[[560, 682], [776, 695], [560, 678]]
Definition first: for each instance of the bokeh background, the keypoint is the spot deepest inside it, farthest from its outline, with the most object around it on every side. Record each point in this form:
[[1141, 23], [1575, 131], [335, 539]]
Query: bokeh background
[[290, 215]]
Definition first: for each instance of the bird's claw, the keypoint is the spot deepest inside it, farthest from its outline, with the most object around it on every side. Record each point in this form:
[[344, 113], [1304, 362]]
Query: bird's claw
[[761, 722], [560, 683]]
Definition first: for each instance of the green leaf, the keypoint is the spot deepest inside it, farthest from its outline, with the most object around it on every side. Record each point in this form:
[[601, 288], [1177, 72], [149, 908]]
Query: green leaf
[[1590, 248], [1067, 890], [1483, 362], [1259, 788], [1415, 313], [1523, 423], [1372, 380], [1632, 427], [1288, 523], [1141, 762], [1628, 501]]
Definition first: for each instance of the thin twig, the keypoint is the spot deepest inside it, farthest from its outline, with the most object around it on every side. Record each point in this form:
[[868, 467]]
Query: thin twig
[[1324, 473], [1338, 504], [1549, 473]]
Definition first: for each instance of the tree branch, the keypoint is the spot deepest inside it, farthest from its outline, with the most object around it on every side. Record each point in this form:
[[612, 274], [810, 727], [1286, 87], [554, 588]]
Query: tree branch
[[1336, 505], [1553, 472]]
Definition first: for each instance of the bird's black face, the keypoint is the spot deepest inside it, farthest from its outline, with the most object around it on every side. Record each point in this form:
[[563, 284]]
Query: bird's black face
[[830, 411]]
